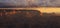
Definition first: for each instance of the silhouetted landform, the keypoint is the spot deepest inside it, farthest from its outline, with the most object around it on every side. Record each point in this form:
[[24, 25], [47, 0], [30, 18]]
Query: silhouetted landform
[[22, 19], [28, 19]]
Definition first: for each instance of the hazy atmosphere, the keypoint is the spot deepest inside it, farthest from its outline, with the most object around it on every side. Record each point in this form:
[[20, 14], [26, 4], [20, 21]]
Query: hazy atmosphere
[[30, 3], [29, 14]]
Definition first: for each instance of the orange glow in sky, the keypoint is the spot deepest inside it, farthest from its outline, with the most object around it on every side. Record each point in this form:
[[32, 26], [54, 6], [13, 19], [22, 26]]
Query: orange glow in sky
[[49, 10], [42, 9]]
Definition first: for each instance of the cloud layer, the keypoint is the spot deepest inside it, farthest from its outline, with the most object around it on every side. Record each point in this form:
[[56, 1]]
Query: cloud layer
[[31, 2]]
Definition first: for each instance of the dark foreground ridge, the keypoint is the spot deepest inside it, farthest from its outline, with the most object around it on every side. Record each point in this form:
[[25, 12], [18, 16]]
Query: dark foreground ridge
[[28, 19]]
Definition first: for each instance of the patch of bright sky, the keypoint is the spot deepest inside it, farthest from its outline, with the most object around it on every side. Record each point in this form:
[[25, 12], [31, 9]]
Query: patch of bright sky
[[49, 10]]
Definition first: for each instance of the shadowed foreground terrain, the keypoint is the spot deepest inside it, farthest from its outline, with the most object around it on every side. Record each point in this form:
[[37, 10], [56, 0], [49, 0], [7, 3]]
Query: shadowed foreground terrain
[[27, 19]]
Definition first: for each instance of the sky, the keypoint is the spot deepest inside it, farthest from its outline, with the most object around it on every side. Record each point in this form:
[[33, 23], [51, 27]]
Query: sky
[[49, 10], [35, 2]]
